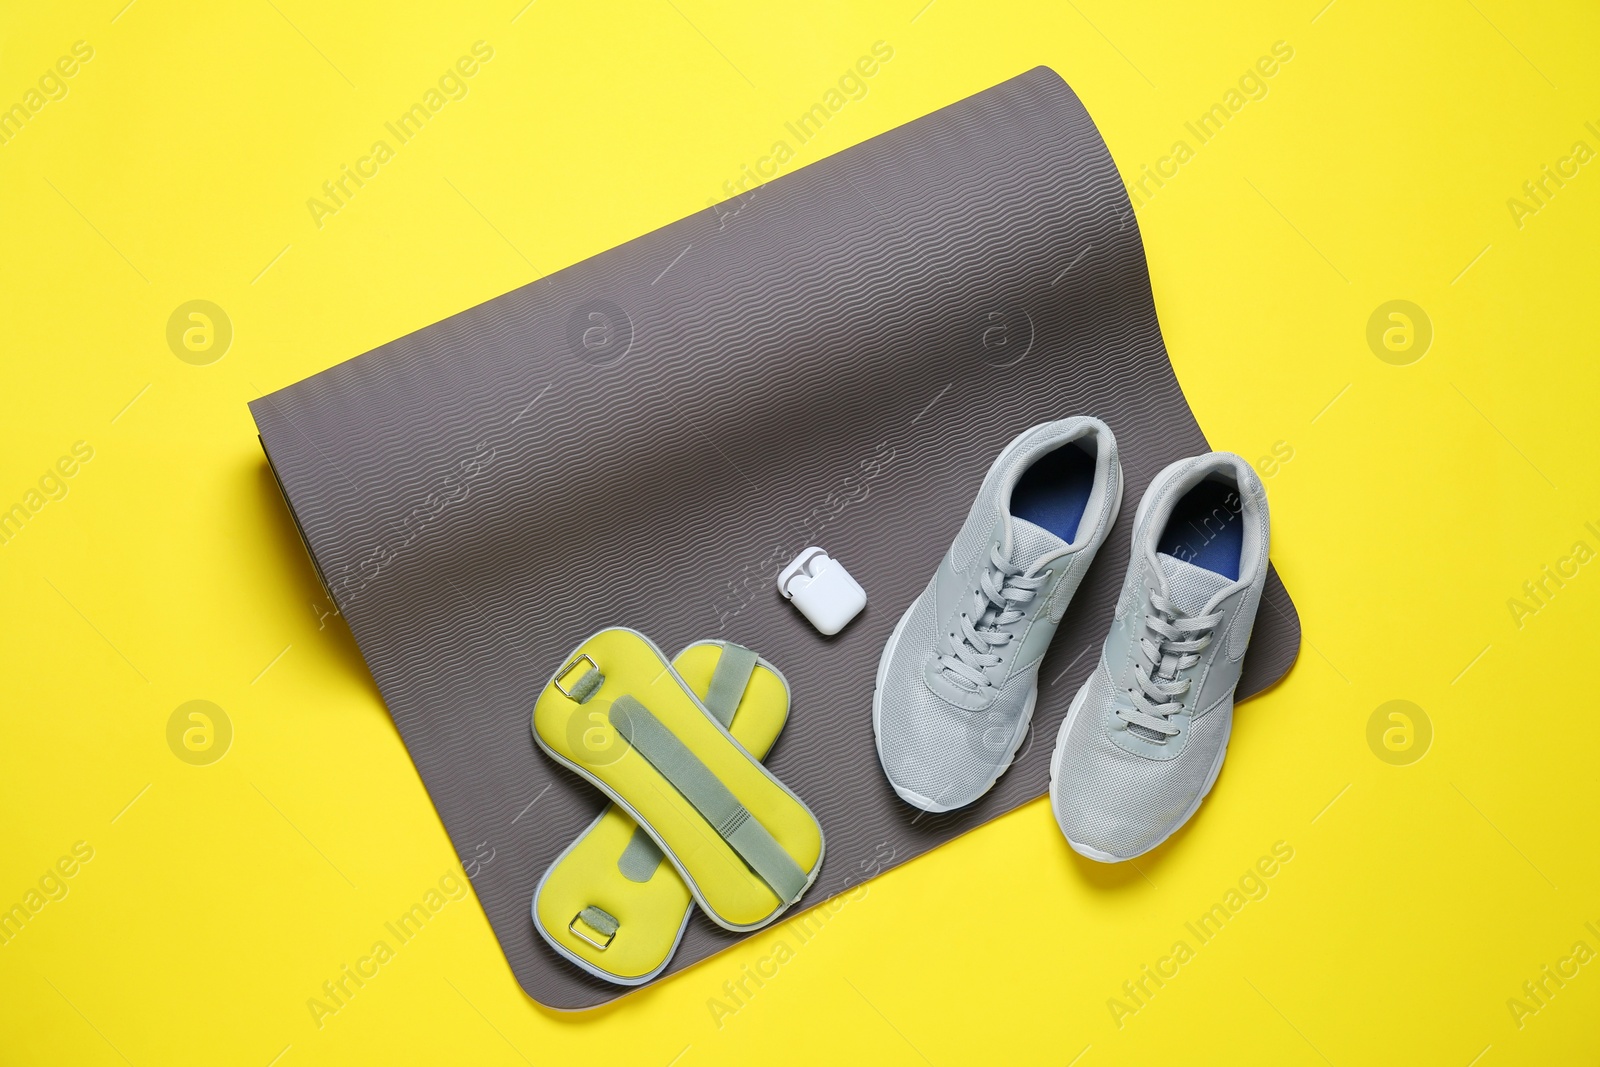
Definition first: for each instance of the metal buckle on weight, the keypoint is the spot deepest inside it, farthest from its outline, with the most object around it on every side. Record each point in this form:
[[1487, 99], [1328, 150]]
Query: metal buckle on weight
[[568, 669], [573, 927]]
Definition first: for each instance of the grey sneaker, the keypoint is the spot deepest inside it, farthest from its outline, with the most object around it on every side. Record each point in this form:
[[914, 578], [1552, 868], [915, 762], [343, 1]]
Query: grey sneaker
[[958, 679], [1144, 738]]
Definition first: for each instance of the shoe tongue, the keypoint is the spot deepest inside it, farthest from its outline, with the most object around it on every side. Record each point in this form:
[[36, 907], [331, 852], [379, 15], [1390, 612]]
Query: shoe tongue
[[1189, 588], [1030, 543]]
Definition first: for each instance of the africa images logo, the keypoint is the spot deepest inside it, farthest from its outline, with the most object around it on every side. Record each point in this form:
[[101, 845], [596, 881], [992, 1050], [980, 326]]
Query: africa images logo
[[599, 331], [1252, 886], [338, 191]]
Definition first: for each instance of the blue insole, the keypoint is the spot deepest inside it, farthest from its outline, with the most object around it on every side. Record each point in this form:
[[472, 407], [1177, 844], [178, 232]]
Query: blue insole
[[1205, 529], [1054, 492]]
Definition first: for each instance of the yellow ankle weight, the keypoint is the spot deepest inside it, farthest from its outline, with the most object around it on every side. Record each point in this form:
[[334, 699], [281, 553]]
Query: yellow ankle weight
[[608, 903]]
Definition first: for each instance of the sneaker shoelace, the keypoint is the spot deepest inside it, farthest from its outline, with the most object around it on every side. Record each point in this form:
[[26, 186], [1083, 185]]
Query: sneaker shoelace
[[1001, 592], [1172, 643]]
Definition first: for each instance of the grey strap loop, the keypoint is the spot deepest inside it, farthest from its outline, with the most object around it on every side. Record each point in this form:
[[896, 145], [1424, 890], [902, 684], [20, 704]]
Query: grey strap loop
[[640, 859], [713, 800], [586, 686], [601, 922], [729, 681]]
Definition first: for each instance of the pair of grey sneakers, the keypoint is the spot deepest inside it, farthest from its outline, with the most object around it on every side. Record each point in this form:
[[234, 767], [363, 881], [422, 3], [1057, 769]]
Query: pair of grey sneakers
[[1144, 738]]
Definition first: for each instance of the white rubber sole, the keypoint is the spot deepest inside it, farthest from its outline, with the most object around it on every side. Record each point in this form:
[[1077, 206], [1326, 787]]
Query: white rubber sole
[[1055, 768]]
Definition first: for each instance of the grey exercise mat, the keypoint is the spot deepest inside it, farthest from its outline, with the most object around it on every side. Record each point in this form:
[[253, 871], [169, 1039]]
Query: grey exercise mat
[[646, 438]]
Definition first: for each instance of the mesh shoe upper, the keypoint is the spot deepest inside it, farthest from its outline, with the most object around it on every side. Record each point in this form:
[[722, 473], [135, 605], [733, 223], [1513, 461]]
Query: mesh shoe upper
[[1124, 804], [1135, 758], [951, 704], [928, 746]]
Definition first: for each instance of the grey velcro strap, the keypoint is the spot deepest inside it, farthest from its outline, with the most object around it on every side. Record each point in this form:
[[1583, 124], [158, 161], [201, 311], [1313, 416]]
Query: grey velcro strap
[[708, 796]]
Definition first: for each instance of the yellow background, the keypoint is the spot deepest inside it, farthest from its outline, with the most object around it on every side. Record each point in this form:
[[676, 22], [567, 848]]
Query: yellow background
[[1418, 501]]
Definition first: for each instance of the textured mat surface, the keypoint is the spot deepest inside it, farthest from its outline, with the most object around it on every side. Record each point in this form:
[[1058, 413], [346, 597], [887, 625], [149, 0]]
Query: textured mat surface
[[647, 437]]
